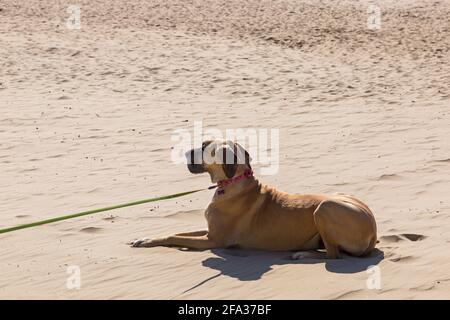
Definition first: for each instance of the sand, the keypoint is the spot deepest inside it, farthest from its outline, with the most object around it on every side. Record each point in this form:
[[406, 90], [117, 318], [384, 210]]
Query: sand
[[87, 117]]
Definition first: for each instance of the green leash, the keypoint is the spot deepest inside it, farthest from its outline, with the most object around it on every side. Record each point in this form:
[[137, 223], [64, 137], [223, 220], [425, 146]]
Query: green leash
[[80, 214]]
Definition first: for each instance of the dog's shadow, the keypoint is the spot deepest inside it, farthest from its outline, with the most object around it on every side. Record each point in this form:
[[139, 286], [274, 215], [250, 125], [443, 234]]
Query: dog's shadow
[[251, 265]]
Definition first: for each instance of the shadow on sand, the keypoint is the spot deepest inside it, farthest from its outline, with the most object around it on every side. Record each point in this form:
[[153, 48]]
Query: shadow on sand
[[251, 265]]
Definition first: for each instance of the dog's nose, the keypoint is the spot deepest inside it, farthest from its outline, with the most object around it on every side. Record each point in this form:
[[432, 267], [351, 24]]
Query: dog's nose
[[190, 156]]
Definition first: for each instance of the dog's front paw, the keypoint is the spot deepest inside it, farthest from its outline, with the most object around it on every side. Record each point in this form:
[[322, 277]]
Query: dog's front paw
[[144, 242], [298, 255], [307, 255]]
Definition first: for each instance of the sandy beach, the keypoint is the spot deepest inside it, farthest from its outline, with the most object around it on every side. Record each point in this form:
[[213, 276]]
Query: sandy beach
[[87, 116]]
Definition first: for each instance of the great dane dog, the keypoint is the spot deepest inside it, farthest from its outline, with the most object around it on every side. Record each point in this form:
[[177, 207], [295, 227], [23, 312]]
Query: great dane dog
[[248, 214]]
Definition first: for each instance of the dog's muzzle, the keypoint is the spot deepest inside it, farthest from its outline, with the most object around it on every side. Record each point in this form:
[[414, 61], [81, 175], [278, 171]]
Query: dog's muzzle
[[195, 160]]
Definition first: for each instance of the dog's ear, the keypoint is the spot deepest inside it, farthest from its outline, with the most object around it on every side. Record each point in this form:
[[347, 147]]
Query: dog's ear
[[229, 161], [247, 159], [239, 150]]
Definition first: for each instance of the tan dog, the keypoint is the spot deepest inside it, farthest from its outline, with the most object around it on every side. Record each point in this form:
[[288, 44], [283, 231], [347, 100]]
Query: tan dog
[[248, 214]]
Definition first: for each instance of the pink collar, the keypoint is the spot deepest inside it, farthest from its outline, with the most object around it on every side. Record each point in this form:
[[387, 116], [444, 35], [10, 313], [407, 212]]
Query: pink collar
[[248, 173]]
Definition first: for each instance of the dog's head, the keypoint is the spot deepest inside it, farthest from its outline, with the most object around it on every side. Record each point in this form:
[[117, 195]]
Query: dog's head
[[222, 159]]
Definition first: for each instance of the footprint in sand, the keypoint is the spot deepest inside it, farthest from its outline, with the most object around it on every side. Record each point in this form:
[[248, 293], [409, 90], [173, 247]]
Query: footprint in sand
[[413, 237], [403, 259], [402, 237], [443, 160], [389, 177], [91, 230], [22, 216]]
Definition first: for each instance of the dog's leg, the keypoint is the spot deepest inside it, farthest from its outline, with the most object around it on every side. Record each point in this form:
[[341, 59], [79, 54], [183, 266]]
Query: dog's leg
[[199, 243], [193, 233], [308, 255], [344, 226]]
